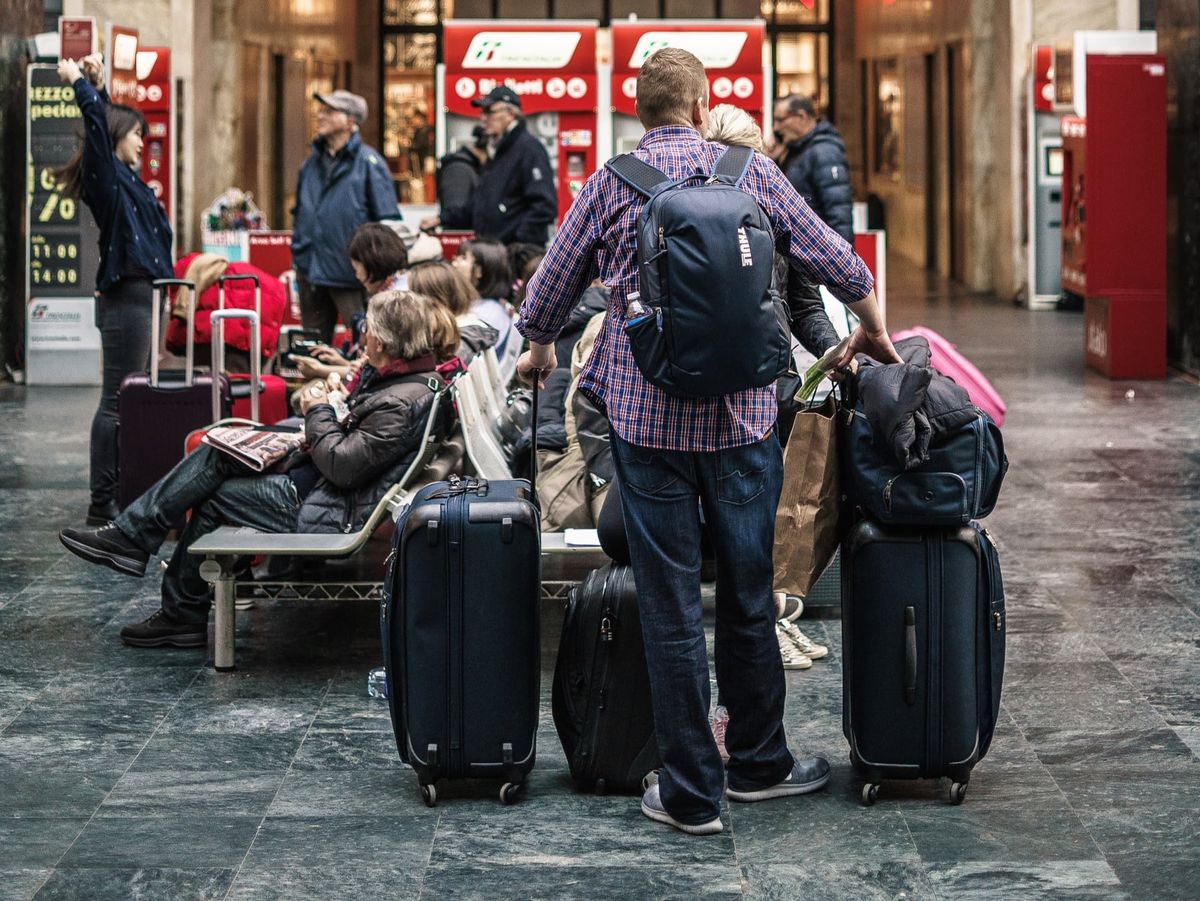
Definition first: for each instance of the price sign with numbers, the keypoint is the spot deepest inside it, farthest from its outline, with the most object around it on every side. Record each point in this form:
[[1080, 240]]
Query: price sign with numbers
[[63, 239]]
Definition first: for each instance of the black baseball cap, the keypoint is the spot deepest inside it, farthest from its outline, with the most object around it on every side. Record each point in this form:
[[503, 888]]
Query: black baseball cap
[[500, 94]]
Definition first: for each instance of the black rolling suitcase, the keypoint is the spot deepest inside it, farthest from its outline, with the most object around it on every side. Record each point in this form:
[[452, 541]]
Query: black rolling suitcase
[[601, 687], [461, 632], [923, 629], [155, 415]]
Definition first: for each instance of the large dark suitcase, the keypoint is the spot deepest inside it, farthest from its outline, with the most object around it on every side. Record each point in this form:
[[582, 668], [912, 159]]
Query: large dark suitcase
[[601, 696], [923, 629], [155, 414]]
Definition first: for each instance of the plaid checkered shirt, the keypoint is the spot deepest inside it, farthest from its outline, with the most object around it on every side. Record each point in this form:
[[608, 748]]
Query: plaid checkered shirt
[[598, 240]]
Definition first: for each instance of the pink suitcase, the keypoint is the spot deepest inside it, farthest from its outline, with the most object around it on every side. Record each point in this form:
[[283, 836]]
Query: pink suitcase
[[949, 362]]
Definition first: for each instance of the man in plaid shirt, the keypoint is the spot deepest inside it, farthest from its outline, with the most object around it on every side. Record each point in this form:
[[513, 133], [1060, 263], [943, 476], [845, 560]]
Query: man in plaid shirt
[[675, 456]]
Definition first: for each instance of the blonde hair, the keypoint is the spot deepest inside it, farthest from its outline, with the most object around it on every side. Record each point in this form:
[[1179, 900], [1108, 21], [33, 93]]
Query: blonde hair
[[402, 322], [443, 332], [441, 281], [734, 127], [669, 84]]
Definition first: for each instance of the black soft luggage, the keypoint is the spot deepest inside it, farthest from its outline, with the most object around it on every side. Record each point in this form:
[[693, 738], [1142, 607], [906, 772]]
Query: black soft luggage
[[601, 687], [155, 414], [461, 632], [923, 628]]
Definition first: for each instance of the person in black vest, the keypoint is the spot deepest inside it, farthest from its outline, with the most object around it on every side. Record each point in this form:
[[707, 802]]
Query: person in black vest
[[812, 155], [515, 199], [458, 176], [135, 249]]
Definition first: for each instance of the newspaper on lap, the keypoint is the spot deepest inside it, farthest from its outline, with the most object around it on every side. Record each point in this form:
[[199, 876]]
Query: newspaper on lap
[[259, 448]]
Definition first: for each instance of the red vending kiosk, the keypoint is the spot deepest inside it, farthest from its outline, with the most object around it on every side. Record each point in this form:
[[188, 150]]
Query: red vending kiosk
[[154, 101], [732, 53], [550, 64], [1115, 212]]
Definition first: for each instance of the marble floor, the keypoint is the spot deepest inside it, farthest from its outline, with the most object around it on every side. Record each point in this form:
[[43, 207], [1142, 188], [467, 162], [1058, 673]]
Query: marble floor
[[132, 773]]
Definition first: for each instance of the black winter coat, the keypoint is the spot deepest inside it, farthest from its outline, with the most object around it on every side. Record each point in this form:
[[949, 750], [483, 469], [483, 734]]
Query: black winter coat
[[360, 458], [515, 199], [458, 176], [816, 166]]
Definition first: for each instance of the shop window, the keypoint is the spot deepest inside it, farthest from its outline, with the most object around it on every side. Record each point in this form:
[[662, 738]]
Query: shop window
[[411, 12], [643, 9], [802, 66], [466, 9], [740, 9], [691, 9], [408, 114], [521, 9], [889, 109], [578, 9], [796, 12]]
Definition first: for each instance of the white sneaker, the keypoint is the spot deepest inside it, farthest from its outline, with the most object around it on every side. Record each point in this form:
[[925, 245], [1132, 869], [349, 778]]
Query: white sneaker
[[792, 658], [803, 643]]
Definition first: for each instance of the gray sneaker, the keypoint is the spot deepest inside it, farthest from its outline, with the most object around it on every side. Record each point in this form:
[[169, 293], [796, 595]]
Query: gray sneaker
[[652, 807], [807, 775]]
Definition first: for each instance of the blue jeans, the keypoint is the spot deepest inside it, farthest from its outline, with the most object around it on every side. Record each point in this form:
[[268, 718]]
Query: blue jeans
[[739, 489], [123, 318], [219, 491]]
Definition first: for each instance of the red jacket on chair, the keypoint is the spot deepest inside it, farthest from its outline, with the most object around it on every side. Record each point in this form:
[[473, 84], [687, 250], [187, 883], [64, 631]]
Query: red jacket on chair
[[239, 295]]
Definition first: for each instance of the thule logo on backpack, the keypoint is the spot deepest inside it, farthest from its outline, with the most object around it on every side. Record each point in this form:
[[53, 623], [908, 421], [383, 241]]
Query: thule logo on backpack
[[744, 247]]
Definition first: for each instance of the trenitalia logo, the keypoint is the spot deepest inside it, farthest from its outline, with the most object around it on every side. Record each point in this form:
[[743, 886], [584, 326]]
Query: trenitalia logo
[[521, 49], [715, 49]]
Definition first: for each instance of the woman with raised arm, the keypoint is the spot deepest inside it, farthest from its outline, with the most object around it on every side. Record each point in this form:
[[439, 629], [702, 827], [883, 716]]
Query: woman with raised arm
[[135, 249]]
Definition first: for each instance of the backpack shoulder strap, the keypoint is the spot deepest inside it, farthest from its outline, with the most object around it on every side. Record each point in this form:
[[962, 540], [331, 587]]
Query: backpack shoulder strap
[[642, 177], [733, 164]]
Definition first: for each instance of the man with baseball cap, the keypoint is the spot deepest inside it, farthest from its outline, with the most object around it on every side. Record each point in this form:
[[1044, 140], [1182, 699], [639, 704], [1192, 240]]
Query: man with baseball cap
[[343, 184], [515, 200]]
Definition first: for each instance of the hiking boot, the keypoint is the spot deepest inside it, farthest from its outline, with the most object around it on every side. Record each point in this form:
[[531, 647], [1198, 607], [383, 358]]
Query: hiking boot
[[806, 776], [803, 643], [788, 606], [107, 546], [652, 807], [160, 631], [102, 514], [792, 658], [720, 723]]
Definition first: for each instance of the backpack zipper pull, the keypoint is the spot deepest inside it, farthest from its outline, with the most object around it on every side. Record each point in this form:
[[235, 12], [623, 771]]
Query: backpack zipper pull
[[887, 495], [606, 629], [662, 241]]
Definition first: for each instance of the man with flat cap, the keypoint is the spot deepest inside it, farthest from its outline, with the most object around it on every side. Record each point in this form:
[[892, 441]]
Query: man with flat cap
[[515, 200], [343, 184]]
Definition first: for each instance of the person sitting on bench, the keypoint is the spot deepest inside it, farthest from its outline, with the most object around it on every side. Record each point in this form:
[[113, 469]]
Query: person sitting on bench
[[331, 485]]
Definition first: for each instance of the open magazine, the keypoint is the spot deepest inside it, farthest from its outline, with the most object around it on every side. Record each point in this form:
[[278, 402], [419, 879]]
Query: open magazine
[[257, 447], [818, 370]]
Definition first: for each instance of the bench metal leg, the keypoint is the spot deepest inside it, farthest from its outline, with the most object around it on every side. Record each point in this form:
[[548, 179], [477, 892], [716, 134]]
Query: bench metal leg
[[218, 572]]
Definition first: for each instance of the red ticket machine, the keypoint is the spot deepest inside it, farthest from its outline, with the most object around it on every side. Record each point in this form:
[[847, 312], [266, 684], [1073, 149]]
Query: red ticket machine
[[154, 101], [1115, 213], [732, 53], [550, 64]]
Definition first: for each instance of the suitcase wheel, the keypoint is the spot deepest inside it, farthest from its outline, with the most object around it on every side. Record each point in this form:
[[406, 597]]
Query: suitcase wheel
[[510, 791], [870, 793], [601, 786], [958, 793], [429, 795]]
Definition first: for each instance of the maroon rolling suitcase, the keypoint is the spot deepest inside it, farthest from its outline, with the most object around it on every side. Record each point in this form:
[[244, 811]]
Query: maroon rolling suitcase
[[156, 414], [272, 390]]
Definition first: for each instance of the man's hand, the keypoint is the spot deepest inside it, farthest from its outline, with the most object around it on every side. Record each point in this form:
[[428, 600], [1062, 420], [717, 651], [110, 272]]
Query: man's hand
[[429, 223], [312, 369], [68, 71], [540, 358], [313, 395], [877, 345]]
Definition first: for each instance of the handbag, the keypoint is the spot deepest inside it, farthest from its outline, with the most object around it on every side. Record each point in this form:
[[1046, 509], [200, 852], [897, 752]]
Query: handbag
[[808, 525]]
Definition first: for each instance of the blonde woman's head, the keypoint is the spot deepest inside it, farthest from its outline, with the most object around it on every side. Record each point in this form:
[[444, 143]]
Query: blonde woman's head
[[733, 127]]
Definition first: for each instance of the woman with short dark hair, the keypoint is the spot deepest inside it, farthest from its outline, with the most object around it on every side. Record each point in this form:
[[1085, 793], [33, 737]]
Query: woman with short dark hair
[[378, 257], [135, 249]]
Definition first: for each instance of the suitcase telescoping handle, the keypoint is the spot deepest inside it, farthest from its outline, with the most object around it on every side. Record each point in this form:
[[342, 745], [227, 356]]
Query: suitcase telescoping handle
[[240, 277], [910, 655], [533, 444], [218, 358], [160, 294]]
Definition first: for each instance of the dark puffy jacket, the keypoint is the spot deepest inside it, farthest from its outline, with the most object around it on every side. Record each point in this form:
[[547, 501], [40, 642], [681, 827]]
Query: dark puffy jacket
[[909, 403], [359, 189], [515, 199], [362, 457], [806, 308], [458, 176], [816, 166]]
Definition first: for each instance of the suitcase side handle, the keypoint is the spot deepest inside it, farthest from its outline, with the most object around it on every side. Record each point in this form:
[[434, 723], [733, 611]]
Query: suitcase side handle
[[160, 284], [218, 358], [910, 655]]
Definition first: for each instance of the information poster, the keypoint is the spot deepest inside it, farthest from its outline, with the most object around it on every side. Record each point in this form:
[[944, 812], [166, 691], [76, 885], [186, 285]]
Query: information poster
[[63, 248]]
